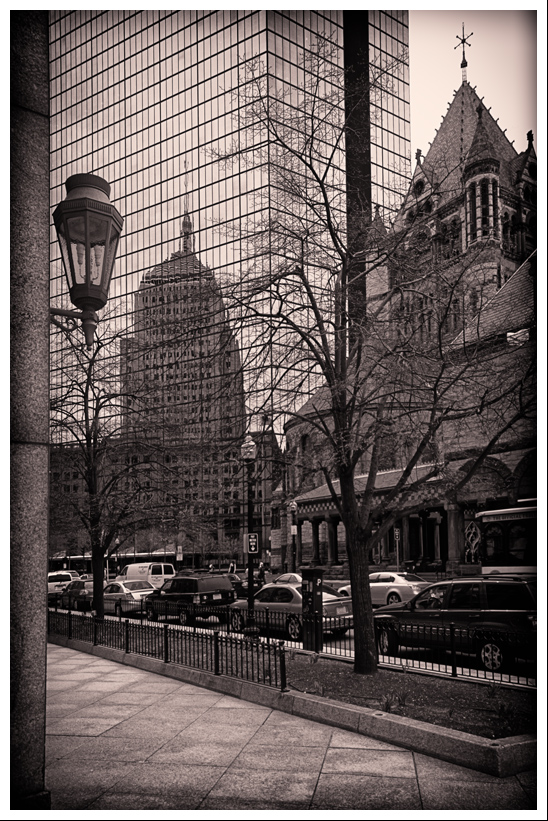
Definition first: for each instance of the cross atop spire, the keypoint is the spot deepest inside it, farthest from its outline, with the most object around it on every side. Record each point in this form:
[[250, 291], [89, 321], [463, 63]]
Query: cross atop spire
[[462, 41]]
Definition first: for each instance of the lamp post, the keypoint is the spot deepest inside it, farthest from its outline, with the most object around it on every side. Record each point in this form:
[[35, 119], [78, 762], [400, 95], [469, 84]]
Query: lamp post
[[293, 507], [249, 453], [88, 229]]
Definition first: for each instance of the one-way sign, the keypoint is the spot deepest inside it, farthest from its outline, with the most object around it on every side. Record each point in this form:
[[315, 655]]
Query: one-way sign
[[252, 542]]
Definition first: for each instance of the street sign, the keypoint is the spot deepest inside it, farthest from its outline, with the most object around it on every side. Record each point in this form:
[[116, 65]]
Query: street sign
[[396, 534], [252, 542]]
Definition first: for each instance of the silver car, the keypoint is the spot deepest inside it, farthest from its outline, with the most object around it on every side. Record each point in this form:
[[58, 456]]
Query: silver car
[[125, 597], [390, 588], [279, 607]]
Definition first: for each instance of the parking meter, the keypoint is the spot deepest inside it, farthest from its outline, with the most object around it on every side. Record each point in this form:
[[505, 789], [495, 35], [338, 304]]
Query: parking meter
[[312, 588]]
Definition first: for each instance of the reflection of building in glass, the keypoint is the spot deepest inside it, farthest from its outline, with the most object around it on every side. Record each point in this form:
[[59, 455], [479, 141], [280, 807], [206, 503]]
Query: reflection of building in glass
[[149, 99], [184, 392]]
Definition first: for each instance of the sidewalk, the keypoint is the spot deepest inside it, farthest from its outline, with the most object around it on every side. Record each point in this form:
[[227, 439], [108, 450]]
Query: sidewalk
[[123, 738]]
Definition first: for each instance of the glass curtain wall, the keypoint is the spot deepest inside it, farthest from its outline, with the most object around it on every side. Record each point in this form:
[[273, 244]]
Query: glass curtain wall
[[163, 105]]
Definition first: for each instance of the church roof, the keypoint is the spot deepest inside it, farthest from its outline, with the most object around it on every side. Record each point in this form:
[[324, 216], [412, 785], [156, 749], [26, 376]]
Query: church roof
[[512, 309], [462, 138]]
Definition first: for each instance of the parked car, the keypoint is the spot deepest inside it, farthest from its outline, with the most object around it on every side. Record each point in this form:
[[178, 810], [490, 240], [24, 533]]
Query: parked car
[[288, 578], [493, 617], [187, 597], [390, 588], [296, 578], [284, 603], [57, 581], [239, 584], [125, 597], [77, 595], [154, 572]]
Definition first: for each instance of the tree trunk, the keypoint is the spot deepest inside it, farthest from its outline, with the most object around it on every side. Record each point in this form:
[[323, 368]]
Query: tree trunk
[[365, 654], [97, 564]]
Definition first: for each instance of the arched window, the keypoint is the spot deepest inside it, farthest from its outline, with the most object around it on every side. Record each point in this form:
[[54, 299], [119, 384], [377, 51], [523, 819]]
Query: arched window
[[495, 207], [485, 208], [473, 212]]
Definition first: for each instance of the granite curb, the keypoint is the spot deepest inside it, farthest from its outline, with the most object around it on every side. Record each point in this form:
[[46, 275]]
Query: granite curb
[[501, 757]]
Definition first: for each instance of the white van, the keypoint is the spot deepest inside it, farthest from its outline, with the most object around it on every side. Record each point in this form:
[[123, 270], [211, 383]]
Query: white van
[[154, 572]]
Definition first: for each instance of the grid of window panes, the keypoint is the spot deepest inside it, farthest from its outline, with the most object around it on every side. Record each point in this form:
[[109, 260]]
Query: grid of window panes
[[148, 100], [390, 117]]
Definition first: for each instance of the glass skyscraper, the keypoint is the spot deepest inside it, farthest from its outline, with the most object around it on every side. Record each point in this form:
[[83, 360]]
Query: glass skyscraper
[[161, 104]]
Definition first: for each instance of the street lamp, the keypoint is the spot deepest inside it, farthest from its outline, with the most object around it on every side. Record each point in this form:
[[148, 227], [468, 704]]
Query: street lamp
[[249, 453], [293, 507], [88, 229]]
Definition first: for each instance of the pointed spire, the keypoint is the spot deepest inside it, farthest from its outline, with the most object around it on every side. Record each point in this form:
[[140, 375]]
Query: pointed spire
[[186, 243], [462, 40]]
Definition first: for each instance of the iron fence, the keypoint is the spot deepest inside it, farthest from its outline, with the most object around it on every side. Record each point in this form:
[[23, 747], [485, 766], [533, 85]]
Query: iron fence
[[493, 655], [213, 651], [479, 653]]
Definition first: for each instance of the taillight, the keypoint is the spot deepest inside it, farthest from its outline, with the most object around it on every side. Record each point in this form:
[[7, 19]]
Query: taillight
[[196, 598]]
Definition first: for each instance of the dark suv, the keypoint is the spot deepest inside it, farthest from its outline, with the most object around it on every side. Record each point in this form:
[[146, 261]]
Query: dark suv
[[493, 617], [187, 597]]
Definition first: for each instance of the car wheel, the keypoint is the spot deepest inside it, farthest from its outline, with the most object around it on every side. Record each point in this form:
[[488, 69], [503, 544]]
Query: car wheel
[[294, 628], [387, 642], [343, 593], [339, 631], [237, 622], [151, 614], [183, 617], [393, 598], [492, 656]]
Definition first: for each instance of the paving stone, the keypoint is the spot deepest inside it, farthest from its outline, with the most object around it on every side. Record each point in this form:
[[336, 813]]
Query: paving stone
[[357, 792], [473, 795], [370, 762]]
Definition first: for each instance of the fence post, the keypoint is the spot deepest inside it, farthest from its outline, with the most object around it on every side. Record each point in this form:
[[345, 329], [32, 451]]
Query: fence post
[[283, 675], [216, 652], [126, 636], [267, 624], [453, 650], [70, 624], [166, 644], [94, 630]]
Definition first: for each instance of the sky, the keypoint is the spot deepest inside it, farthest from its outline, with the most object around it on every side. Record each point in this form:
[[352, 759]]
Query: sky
[[502, 66]]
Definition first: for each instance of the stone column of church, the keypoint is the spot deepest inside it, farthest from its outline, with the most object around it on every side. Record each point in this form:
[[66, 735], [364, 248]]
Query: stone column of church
[[315, 541]]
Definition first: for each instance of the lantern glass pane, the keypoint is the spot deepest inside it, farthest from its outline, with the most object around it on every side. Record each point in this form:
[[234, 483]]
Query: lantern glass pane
[[76, 228], [64, 252], [111, 252], [98, 233]]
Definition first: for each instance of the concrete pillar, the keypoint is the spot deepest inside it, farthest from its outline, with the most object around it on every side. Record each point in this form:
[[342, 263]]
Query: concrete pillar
[[437, 552], [315, 542], [406, 555], [455, 536], [331, 541], [29, 376], [299, 545]]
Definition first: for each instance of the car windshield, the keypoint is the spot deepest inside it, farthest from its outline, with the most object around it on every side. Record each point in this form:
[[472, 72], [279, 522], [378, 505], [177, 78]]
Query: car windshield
[[138, 585]]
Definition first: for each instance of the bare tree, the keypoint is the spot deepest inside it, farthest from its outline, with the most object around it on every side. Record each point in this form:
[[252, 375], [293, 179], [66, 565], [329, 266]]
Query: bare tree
[[108, 474], [359, 321]]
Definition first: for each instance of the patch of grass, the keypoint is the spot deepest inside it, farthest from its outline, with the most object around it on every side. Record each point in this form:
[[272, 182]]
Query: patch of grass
[[488, 710]]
